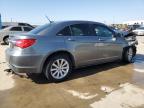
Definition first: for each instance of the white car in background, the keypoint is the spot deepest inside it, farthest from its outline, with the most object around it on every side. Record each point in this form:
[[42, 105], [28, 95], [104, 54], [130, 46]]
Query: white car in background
[[5, 33], [139, 31]]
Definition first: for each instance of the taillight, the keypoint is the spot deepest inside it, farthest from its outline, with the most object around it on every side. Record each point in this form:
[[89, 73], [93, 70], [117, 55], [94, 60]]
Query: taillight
[[24, 43]]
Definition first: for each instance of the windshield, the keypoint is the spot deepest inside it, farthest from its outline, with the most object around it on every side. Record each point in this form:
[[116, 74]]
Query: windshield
[[41, 29]]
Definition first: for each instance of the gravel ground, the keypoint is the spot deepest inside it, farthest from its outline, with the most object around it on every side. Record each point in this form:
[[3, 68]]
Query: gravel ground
[[6, 80]]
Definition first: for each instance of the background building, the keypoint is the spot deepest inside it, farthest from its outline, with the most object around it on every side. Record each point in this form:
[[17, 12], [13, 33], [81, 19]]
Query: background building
[[138, 22]]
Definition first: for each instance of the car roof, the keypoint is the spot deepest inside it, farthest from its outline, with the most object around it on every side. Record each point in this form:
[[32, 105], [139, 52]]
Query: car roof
[[77, 21]]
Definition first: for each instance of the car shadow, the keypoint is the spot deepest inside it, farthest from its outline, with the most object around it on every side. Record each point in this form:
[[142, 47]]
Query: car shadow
[[38, 78], [78, 73], [3, 44]]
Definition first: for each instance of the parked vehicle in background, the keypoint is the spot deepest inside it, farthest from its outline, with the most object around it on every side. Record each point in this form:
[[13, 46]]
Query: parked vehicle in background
[[133, 27], [56, 48], [25, 24], [139, 31], [5, 33], [7, 24]]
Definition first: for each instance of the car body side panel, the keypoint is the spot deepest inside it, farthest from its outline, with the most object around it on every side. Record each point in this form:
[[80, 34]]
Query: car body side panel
[[110, 48], [83, 48]]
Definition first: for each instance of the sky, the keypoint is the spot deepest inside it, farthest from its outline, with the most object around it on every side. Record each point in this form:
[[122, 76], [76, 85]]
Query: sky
[[106, 11]]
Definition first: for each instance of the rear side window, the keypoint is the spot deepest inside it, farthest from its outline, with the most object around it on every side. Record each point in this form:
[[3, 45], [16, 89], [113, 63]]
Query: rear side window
[[16, 29], [80, 29], [64, 32], [27, 29]]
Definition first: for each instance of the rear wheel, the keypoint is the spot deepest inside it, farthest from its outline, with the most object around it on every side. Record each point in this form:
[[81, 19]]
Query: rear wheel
[[58, 68], [128, 55]]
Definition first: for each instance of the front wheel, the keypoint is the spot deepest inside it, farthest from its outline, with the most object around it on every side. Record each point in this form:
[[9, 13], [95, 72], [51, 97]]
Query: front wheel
[[128, 54], [58, 68]]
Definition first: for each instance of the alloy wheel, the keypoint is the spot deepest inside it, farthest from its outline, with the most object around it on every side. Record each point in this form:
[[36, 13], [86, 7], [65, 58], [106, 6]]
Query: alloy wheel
[[130, 54], [59, 68]]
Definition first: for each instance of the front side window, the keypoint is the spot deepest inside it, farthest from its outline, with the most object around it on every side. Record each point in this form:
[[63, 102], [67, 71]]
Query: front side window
[[64, 32], [16, 29], [102, 31], [80, 29]]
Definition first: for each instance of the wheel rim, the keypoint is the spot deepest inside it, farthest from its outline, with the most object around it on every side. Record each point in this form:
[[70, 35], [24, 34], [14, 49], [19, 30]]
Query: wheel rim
[[59, 68], [130, 54], [6, 41]]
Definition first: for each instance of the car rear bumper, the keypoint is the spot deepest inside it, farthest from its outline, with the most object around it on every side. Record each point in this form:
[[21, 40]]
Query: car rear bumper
[[21, 69], [24, 63]]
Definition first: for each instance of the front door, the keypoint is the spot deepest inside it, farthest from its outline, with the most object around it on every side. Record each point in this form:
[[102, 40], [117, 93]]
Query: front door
[[108, 45]]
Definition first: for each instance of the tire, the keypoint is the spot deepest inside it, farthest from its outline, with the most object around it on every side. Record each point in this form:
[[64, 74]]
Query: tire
[[56, 73], [128, 54], [6, 40]]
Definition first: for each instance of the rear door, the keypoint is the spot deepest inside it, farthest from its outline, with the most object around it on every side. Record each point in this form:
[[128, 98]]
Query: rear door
[[108, 45]]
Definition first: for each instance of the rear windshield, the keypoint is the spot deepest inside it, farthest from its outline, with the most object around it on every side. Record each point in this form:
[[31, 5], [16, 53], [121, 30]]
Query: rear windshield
[[41, 29]]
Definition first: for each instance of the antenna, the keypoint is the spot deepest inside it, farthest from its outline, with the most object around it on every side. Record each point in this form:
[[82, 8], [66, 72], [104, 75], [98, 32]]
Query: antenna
[[48, 19]]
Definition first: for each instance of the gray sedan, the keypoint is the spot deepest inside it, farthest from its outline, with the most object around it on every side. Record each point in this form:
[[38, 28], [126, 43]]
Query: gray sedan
[[55, 49]]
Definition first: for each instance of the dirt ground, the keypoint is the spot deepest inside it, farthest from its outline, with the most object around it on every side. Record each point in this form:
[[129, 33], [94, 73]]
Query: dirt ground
[[111, 85]]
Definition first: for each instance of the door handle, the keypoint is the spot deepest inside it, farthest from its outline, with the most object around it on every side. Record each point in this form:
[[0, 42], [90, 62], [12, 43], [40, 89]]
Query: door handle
[[70, 39]]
